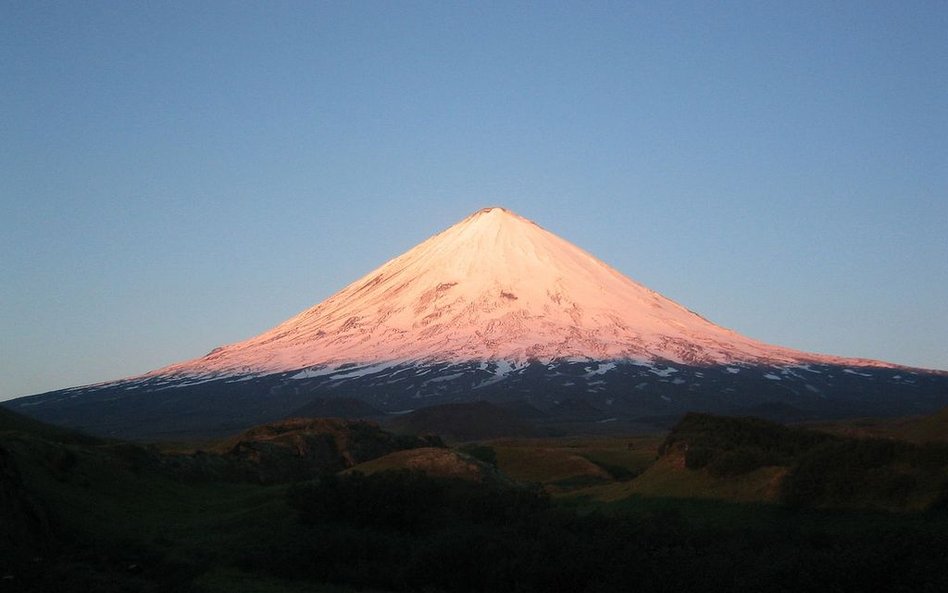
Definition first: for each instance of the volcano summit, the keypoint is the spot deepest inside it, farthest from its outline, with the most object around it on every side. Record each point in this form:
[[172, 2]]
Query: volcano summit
[[497, 308], [494, 287]]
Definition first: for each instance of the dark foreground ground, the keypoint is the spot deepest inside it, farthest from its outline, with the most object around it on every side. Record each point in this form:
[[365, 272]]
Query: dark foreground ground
[[718, 504]]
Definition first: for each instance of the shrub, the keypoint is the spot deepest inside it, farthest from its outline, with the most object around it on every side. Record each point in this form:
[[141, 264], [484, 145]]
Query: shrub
[[868, 472], [696, 457], [399, 500], [738, 461], [410, 501], [481, 453]]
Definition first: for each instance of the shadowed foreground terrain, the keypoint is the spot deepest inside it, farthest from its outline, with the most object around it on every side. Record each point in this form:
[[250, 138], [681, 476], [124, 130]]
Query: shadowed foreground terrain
[[718, 504]]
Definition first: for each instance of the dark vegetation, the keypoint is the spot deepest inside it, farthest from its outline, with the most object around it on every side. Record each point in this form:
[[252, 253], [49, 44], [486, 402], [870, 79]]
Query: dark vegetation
[[442, 535], [873, 473], [915, 429], [301, 448], [279, 452], [482, 453], [13, 422], [825, 470], [286, 507], [410, 501], [730, 446]]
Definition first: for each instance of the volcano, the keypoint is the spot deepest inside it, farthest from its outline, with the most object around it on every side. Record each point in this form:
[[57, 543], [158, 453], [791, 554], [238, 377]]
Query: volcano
[[497, 308], [494, 287]]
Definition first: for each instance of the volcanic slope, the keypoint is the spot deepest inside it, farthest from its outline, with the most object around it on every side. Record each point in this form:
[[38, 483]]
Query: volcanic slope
[[493, 287], [494, 307]]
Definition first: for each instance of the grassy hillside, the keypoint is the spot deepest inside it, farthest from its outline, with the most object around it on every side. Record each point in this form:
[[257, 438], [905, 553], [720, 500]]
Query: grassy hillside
[[569, 463], [747, 459], [84, 514], [668, 477], [439, 462]]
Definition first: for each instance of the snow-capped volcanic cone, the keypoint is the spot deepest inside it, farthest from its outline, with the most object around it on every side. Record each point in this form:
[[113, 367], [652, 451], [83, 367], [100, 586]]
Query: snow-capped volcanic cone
[[494, 307], [494, 286]]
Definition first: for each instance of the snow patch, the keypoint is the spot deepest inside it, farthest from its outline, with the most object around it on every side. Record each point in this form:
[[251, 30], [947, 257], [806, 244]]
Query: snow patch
[[503, 368], [313, 373], [602, 369], [355, 372], [499, 289], [451, 377]]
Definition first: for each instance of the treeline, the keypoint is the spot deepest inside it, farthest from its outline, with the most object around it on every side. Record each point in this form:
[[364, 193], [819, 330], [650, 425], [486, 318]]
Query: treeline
[[406, 531], [729, 446], [824, 470], [869, 473]]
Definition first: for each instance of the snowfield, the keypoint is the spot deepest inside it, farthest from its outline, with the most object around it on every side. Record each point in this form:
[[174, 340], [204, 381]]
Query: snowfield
[[495, 288]]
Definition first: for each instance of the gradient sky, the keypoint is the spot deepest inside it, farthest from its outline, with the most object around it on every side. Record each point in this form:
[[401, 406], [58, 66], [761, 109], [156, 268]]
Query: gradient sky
[[179, 175]]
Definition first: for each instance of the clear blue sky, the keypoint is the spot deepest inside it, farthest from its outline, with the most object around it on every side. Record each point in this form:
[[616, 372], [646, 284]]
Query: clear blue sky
[[179, 175]]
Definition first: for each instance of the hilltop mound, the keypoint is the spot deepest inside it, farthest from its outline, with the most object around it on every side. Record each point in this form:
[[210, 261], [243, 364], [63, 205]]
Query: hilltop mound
[[294, 449], [731, 446], [439, 463]]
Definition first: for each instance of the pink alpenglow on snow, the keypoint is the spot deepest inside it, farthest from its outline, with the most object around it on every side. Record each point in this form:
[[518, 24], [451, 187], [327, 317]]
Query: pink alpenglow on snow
[[493, 287]]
